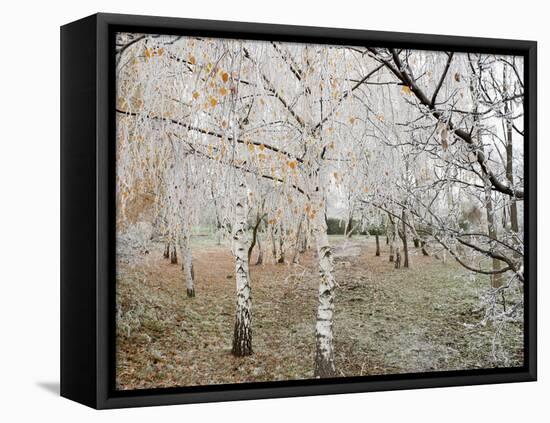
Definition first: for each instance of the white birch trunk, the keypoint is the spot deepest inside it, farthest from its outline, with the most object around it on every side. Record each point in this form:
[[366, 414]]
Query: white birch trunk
[[273, 243], [242, 336], [324, 350], [393, 236], [297, 241], [173, 251], [187, 265]]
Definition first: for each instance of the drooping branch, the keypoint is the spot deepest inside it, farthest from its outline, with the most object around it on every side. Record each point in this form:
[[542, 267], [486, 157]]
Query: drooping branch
[[488, 253], [275, 93], [398, 69], [242, 167], [210, 133]]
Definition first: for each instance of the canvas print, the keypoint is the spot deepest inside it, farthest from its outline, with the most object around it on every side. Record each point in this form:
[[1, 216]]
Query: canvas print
[[290, 211]]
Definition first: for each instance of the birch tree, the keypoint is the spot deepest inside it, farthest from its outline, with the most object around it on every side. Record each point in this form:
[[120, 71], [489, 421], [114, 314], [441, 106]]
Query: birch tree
[[264, 138]]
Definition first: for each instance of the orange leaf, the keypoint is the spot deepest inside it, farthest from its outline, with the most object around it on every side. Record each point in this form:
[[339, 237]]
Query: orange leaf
[[192, 60], [223, 91], [225, 77]]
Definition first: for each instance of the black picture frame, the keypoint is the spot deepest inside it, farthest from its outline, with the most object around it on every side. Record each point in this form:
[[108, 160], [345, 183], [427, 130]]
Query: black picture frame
[[87, 211]]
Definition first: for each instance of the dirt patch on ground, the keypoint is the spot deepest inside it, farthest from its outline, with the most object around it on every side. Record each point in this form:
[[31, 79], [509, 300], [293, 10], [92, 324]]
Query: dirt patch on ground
[[387, 320]]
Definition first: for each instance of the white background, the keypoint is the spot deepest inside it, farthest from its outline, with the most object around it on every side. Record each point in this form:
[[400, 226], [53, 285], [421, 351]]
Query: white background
[[29, 210]]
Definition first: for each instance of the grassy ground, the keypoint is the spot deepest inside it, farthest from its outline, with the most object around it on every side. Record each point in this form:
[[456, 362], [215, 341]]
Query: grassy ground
[[386, 321]]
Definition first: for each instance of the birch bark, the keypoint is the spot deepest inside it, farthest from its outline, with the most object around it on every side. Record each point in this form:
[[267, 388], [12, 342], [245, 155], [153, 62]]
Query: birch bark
[[324, 350], [187, 264], [242, 336]]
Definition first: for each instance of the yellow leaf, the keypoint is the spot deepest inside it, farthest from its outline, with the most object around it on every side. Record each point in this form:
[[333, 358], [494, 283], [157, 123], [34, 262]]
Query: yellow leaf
[[262, 147], [160, 51], [213, 101], [196, 95], [225, 77], [251, 148], [148, 53], [406, 90]]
